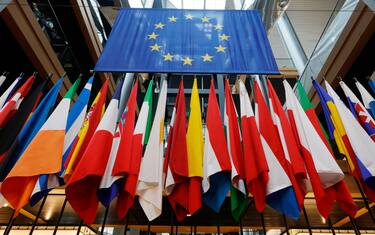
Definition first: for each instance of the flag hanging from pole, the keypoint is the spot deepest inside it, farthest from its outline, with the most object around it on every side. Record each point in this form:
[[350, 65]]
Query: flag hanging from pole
[[150, 179], [325, 175], [280, 192], [368, 100], [187, 41], [41, 157], [176, 171], [81, 189], [30, 129], [238, 193], [9, 92], [256, 167], [216, 162], [359, 111], [86, 132], [294, 162], [12, 105], [350, 137], [194, 141]]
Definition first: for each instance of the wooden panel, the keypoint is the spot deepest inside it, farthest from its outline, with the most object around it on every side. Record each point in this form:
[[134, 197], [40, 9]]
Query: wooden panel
[[22, 23]]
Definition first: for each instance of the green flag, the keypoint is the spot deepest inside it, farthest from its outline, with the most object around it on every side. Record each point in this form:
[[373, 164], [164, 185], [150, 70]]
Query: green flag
[[148, 102], [73, 89]]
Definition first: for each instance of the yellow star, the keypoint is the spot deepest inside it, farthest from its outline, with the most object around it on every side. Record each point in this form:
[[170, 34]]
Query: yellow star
[[168, 57], [155, 47], [159, 25], [172, 19], [205, 19], [152, 36], [188, 17], [207, 57], [218, 27], [224, 37], [187, 61], [220, 48]]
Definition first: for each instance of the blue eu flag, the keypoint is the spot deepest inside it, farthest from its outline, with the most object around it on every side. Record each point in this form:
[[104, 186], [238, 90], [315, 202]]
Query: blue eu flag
[[188, 41]]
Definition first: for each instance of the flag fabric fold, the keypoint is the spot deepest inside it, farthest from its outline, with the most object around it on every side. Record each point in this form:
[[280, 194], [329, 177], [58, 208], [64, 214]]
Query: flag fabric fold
[[325, 175], [86, 132], [359, 111], [361, 142], [30, 129], [351, 139], [150, 179], [280, 192], [194, 141], [294, 162], [81, 189], [2, 79], [372, 85], [12, 105], [238, 192], [75, 118], [216, 162], [367, 98], [256, 167], [130, 149], [9, 91], [176, 171], [10, 132], [43, 156]]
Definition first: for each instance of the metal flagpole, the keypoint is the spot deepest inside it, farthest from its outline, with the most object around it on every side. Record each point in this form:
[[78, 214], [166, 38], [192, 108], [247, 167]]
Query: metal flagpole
[[104, 219], [241, 229], [331, 226], [79, 227], [218, 224], [286, 225], [307, 219], [354, 224], [126, 224], [263, 224], [10, 223], [38, 215], [148, 228], [60, 216], [365, 200]]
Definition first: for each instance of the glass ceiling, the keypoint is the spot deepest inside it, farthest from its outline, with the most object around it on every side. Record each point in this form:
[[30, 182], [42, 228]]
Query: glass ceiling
[[194, 4]]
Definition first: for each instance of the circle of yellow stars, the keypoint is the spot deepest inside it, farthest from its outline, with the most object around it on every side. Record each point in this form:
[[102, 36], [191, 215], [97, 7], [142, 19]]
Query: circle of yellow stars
[[186, 59]]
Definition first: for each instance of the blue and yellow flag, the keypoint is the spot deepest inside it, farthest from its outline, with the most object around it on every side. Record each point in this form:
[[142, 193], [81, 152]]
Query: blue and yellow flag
[[191, 41]]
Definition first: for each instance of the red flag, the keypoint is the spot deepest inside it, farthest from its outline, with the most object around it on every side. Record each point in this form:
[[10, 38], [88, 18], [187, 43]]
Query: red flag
[[326, 177], [81, 190], [128, 157], [88, 128], [11, 107], [256, 167], [176, 159], [294, 161]]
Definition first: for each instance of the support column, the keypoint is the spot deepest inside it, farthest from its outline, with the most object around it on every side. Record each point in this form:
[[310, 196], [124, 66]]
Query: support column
[[291, 42]]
